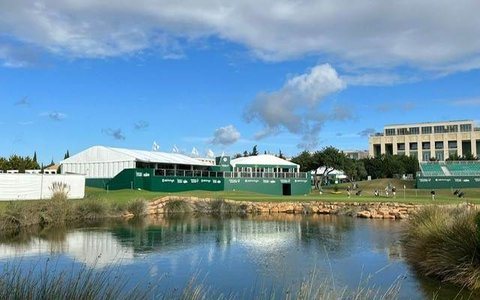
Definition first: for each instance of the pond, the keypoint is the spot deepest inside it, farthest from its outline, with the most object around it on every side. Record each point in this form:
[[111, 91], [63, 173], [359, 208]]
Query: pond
[[232, 255]]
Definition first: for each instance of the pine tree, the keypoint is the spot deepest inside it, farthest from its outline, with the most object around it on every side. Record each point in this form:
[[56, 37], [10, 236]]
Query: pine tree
[[254, 151], [34, 156], [67, 155]]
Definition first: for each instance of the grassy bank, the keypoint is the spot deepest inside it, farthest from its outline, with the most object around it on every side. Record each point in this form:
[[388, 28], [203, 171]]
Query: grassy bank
[[59, 210], [445, 244]]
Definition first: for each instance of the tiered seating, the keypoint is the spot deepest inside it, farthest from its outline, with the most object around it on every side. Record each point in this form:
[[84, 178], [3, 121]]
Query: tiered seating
[[431, 169], [464, 168]]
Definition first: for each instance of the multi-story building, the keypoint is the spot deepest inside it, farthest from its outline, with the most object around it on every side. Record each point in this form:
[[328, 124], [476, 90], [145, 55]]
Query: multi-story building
[[356, 154], [438, 140]]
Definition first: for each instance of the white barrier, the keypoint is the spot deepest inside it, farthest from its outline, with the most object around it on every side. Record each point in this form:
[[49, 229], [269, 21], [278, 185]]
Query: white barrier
[[38, 186]]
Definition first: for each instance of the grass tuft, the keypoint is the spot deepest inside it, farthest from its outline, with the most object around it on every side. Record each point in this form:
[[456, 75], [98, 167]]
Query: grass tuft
[[85, 283], [90, 209], [138, 207], [444, 243], [178, 206]]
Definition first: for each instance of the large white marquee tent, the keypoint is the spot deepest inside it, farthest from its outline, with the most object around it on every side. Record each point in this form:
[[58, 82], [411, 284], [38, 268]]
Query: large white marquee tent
[[107, 162]]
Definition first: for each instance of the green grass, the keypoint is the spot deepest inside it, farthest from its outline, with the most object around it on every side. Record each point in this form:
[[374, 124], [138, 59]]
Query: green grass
[[411, 195], [122, 198]]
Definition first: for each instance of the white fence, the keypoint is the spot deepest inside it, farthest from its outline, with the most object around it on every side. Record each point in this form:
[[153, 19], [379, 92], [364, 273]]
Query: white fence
[[38, 186]]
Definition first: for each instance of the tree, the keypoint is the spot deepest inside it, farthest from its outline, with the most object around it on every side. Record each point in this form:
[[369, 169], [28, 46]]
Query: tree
[[373, 166], [3, 164], [350, 169], [35, 156], [67, 155], [280, 154], [410, 164], [245, 153], [361, 171], [305, 160], [254, 151], [330, 158]]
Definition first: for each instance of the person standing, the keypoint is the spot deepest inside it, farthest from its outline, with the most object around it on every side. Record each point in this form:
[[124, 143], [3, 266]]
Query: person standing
[[433, 194]]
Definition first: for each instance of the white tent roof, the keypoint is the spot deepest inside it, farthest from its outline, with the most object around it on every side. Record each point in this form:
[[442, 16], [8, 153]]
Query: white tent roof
[[110, 154], [337, 173], [262, 159]]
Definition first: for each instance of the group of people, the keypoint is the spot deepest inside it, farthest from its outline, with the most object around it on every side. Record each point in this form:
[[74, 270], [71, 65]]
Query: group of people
[[354, 187], [388, 189]]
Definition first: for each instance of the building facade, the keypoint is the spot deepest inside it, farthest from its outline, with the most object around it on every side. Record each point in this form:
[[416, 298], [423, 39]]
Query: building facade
[[438, 140]]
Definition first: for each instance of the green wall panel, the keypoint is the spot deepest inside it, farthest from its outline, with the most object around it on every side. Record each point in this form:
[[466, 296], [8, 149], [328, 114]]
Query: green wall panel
[[272, 186], [145, 179], [97, 182], [445, 182]]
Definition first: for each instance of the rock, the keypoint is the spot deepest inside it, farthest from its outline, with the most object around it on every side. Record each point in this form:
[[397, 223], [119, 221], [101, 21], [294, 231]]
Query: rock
[[364, 214]]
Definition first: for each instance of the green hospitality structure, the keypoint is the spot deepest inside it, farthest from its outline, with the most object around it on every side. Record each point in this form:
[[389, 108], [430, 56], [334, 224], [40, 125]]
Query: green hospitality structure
[[449, 174], [119, 168]]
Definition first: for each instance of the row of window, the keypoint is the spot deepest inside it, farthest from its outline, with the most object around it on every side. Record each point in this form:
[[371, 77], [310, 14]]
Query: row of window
[[428, 129], [427, 146]]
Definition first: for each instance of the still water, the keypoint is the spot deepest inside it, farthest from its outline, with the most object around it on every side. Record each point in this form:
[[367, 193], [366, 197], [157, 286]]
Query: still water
[[236, 255]]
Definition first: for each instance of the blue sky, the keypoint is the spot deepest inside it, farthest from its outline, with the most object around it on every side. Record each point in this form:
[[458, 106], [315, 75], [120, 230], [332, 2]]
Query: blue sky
[[225, 76]]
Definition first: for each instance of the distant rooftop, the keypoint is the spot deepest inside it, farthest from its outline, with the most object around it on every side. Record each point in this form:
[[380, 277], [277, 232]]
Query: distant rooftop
[[430, 123]]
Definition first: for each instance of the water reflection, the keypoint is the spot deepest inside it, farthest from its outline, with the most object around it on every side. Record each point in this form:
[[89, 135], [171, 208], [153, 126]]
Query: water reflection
[[234, 253]]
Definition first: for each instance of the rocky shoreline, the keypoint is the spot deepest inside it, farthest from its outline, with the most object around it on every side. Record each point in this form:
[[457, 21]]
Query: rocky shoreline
[[371, 210]]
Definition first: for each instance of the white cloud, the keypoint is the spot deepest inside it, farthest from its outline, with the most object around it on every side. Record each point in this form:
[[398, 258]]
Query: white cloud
[[294, 107], [15, 56], [225, 135], [429, 34], [466, 102]]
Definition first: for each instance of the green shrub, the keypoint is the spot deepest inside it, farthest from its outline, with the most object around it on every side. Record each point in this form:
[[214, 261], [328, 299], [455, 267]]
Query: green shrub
[[92, 209], [137, 207], [445, 244], [19, 214], [56, 210], [178, 206]]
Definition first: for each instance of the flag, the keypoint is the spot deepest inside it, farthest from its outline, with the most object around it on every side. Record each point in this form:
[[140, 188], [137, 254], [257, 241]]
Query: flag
[[175, 149], [210, 153], [194, 152], [155, 146]]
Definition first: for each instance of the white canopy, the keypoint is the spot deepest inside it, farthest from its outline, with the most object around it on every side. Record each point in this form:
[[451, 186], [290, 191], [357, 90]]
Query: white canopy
[[99, 154], [262, 159], [338, 173], [107, 162]]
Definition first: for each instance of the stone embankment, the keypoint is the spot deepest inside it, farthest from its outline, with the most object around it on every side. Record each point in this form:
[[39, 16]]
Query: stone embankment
[[373, 210]]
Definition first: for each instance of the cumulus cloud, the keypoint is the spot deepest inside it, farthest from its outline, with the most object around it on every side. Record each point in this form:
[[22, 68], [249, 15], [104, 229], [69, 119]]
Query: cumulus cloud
[[367, 132], [225, 135], [140, 125], [114, 133], [429, 34], [294, 107]]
